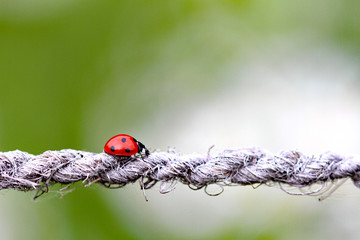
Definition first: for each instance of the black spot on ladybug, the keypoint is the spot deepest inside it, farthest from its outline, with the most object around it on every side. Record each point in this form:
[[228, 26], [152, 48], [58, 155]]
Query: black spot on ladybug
[[127, 150], [123, 139], [112, 148]]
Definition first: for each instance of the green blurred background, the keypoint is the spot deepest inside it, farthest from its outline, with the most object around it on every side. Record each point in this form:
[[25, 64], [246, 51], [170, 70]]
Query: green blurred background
[[185, 74]]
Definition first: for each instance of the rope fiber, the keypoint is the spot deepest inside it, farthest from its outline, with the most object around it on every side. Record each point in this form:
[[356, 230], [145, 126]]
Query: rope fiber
[[246, 166]]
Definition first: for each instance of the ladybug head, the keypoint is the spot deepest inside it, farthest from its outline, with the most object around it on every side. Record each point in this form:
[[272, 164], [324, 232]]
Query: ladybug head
[[142, 147]]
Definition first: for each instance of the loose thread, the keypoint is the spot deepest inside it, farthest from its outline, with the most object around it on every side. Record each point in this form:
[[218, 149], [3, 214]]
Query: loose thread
[[246, 166]]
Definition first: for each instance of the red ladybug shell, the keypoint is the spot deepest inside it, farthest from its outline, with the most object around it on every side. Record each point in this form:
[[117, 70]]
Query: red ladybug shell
[[122, 145]]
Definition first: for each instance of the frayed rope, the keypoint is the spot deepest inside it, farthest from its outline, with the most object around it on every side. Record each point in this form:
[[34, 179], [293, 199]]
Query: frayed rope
[[246, 166]]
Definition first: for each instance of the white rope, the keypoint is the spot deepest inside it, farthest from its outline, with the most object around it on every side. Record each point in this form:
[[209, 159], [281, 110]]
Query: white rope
[[246, 166]]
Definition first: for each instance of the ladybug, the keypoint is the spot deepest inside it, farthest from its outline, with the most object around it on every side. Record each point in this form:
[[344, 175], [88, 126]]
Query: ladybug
[[124, 145]]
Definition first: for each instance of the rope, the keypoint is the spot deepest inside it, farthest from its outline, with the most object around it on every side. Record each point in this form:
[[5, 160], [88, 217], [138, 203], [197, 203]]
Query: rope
[[246, 166]]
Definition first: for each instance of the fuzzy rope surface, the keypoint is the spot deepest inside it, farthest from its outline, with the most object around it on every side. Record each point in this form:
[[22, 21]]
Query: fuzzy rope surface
[[246, 166]]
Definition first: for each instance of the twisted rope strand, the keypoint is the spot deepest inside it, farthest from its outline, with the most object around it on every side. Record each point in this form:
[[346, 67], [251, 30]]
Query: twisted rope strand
[[246, 166]]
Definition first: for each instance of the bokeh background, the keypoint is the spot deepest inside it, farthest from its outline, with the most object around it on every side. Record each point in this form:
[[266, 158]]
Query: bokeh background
[[185, 74]]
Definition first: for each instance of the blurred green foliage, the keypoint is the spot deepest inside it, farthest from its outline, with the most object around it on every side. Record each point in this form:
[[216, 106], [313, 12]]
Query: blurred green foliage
[[59, 59]]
